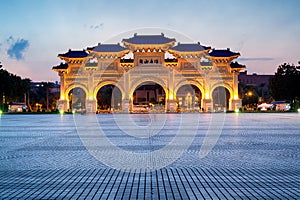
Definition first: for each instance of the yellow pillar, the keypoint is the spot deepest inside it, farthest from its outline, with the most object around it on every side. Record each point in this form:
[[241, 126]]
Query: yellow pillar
[[171, 97], [91, 103], [62, 104], [207, 101], [235, 85], [235, 102], [62, 85], [127, 100]]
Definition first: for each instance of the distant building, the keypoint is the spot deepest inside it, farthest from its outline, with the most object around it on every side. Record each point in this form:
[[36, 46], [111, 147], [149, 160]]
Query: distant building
[[259, 82], [255, 80]]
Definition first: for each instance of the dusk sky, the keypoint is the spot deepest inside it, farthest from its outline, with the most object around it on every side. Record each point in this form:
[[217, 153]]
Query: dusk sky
[[33, 32]]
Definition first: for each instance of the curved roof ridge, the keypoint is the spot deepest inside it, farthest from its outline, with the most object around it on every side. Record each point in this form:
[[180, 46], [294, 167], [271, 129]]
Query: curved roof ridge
[[149, 39]]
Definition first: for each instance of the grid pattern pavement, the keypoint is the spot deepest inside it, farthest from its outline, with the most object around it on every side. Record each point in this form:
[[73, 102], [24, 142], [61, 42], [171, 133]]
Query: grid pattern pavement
[[256, 157], [166, 183]]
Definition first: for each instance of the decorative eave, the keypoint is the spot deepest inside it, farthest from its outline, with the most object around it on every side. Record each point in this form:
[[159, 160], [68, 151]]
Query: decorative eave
[[108, 50], [74, 57], [171, 62], [146, 43], [127, 64], [235, 66], [62, 67], [91, 66], [222, 55], [189, 50]]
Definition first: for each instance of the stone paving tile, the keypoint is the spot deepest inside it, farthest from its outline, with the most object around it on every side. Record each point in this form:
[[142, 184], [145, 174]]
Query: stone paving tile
[[254, 158], [112, 184]]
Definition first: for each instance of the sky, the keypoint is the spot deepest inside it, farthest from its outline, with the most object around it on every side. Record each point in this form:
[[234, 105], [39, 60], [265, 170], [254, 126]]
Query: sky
[[33, 32]]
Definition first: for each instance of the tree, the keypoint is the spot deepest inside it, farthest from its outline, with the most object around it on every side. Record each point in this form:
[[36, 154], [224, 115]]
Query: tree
[[40, 93], [12, 87], [285, 84]]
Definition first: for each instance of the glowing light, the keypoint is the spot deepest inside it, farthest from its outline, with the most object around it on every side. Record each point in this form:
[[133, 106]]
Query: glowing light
[[237, 110], [91, 97], [171, 96], [298, 110], [1, 112], [73, 111], [236, 96], [206, 95], [61, 112]]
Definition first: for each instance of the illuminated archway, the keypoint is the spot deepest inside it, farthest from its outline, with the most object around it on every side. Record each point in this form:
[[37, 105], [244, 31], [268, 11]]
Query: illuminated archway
[[80, 94], [148, 96], [189, 97], [221, 98], [67, 91], [225, 85], [108, 82], [109, 97], [76, 99], [189, 82], [155, 80]]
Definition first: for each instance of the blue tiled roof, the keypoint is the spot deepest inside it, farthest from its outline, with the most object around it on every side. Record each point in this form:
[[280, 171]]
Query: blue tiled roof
[[149, 39], [190, 47], [61, 66], [74, 54], [236, 65], [107, 48], [223, 53]]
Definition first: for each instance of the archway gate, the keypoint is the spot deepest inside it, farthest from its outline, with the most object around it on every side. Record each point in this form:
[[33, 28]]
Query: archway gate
[[106, 64]]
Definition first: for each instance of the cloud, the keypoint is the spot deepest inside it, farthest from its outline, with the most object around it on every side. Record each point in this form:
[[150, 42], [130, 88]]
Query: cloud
[[10, 39], [17, 48], [96, 26], [256, 59]]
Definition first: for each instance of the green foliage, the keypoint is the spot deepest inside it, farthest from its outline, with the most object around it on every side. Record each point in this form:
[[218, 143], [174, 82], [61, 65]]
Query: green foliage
[[13, 87], [285, 84]]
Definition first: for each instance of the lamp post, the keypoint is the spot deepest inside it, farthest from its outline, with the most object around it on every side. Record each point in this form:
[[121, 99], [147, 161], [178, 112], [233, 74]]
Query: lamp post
[[249, 95]]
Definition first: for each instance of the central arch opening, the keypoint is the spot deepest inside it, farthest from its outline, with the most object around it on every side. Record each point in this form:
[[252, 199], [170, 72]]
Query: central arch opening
[[189, 98], [109, 98], [149, 97]]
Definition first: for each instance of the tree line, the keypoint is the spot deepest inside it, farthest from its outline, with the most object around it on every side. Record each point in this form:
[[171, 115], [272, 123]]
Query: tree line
[[285, 84], [13, 87]]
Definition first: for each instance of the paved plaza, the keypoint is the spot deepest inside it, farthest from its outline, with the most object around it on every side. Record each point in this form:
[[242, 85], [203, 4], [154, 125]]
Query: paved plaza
[[150, 156]]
